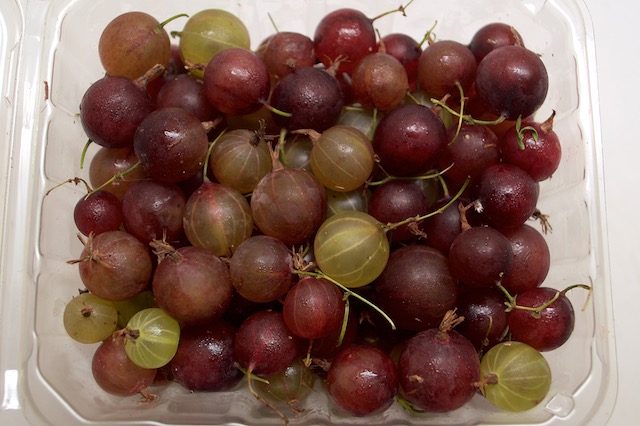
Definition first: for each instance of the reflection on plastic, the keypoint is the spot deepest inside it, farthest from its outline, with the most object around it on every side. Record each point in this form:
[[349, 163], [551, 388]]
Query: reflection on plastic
[[560, 405], [10, 400]]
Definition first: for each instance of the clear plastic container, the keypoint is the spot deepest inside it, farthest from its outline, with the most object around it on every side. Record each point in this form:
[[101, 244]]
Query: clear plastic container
[[49, 58]]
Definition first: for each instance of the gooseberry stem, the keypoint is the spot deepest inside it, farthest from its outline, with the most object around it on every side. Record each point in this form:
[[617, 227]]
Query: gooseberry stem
[[520, 132], [462, 101], [427, 35], [433, 175], [443, 183], [511, 302], [84, 153], [275, 27], [349, 293], [584, 286], [468, 118], [75, 180], [166, 21], [253, 376], [345, 321], [401, 9], [374, 124], [275, 110], [391, 226], [114, 177], [571, 287], [250, 378], [281, 142], [413, 98]]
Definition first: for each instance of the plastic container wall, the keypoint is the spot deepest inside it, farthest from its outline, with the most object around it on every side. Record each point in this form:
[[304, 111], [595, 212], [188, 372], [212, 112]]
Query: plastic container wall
[[52, 59]]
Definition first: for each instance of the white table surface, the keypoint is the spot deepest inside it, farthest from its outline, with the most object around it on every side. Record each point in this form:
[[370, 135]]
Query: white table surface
[[615, 28], [618, 63]]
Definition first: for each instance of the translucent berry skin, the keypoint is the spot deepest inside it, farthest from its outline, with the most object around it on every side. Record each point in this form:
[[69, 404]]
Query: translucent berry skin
[[519, 376], [132, 43], [362, 380]]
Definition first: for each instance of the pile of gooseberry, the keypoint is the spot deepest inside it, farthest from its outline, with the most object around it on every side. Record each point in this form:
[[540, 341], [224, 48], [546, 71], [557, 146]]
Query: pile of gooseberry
[[345, 208]]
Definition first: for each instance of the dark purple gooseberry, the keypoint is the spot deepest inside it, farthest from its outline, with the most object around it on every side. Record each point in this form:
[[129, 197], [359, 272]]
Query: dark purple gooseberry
[[362, 380], [171, 144], [154, 210], [329, 346], [311, 95], [437, 369], [100, 212], [534, 147], [493, 36], [473, 149], [485, 319], [545, 330], [480, 256], [513, 81], [111, 110], [531, 259], [264, 345], [396, 201], [443, 228], [409, 140], [205, 360], [406, 50], [186, 92], [506, 196], [416, 288]]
